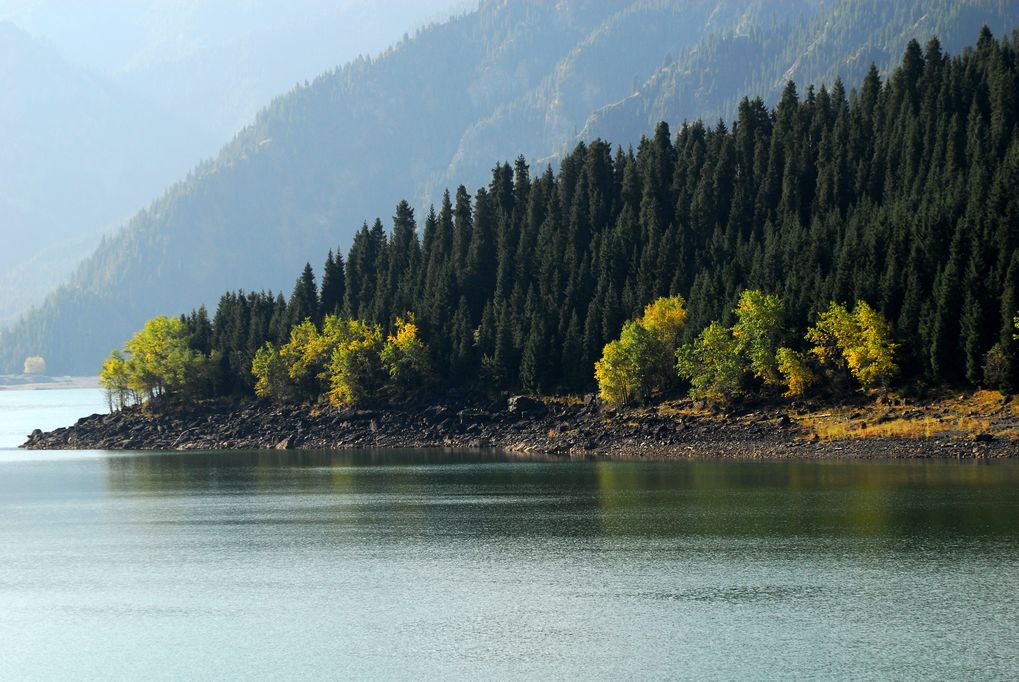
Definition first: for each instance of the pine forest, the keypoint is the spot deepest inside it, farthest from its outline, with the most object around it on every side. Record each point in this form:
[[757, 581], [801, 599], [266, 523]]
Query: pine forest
[[885, 212]]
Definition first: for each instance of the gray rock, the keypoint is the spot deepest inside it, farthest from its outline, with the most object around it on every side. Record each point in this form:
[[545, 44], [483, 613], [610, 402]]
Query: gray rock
[[473, 416], [526, 406]]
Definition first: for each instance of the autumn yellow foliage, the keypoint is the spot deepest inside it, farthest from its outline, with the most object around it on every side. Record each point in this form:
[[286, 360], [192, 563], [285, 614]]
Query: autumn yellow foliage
[[861, 341], [154, 362], [640, 361], [795, 371], [349, 360]]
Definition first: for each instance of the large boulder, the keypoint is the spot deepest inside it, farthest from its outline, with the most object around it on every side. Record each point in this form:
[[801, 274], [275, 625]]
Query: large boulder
[[526, 406]]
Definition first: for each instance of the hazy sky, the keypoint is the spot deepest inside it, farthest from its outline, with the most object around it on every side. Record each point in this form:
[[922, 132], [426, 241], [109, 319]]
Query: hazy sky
[[115, 35]]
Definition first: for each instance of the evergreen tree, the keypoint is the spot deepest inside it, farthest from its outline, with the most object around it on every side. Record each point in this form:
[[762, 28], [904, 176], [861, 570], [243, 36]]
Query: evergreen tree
[[333, 286], [303, 304]]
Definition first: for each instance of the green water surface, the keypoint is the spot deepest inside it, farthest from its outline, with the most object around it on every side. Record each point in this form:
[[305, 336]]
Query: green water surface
[[477, 565]]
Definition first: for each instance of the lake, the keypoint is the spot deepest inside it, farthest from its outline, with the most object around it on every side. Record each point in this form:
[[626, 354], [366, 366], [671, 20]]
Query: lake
[[428, 564], [21, 411]]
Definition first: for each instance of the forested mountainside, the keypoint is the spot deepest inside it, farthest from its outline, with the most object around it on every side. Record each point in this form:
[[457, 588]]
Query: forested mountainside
[[509, 78], [757, 59], [899, 200], [74, 163]]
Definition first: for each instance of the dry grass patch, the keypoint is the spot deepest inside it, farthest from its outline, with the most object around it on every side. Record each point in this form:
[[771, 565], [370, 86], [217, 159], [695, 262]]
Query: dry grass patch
[[895, 428], [957, 416]]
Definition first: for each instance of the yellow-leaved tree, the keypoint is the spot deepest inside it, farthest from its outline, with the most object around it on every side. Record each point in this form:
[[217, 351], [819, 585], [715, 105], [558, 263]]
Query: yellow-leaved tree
[[355, 369], [157, 361], [308, 352], [758, 332], [860, 341], [639, 362], [627, 370], [796, 372], [349, 360], [405, 357]]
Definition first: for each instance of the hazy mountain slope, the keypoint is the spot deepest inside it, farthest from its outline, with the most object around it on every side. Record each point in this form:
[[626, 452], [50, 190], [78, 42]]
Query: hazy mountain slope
[[217, 62], [605, 67], [224, 79], [709, 80], [314, 164], [108, 104], [76, 150], [443, 106]]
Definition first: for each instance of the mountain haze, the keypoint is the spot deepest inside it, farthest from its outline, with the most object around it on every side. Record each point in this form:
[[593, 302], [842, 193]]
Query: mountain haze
[[440, 109], [77, 150], [217, 62], [109, 103]]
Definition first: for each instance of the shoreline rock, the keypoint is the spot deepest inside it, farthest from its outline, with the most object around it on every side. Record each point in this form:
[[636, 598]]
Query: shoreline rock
[[523, 424]]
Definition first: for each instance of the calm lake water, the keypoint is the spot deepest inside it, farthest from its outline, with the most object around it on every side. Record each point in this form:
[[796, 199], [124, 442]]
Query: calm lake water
[[424, 564], [22, 411]]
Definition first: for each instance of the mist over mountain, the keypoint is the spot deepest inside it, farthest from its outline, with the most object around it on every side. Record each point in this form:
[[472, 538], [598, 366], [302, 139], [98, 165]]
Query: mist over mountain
[[440, 109], [109, 103], [217, 62], [78, 161]]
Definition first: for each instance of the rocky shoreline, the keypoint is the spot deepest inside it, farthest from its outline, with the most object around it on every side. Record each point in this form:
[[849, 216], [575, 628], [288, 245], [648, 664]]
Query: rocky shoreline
[[578, 429]]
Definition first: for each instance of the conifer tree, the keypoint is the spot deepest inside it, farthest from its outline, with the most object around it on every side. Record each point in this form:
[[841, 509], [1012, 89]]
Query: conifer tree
[[303, 304], [333, 286]]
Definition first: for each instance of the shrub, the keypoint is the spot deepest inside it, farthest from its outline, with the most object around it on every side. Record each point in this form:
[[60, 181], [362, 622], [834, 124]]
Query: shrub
[[35, 365], [998, 369]]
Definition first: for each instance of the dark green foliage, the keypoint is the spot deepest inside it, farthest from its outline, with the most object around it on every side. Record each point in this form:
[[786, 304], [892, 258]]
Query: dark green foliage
[[333, 286], [303, 304], [903, 193]]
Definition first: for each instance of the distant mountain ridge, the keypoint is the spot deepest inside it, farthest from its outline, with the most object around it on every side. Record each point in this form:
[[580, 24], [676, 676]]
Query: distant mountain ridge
[[440, 109], [75, 146], [108, 103]]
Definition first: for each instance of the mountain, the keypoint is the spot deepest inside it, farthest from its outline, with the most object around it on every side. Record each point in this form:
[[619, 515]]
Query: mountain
[[757, 60], [217, 62], [75, 162], [605, 66], [108, 104], [438, 108]]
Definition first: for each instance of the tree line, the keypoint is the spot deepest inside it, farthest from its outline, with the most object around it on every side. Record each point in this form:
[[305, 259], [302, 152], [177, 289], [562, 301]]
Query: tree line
[[754, 356], [898, 201]]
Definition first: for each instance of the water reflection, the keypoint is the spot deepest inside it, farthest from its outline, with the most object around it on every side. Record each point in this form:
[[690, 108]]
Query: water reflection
[[481, 565], [499, 494]]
